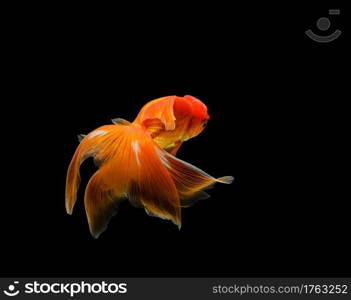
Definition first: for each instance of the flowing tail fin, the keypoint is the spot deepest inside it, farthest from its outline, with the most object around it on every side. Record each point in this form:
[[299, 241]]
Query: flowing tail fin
[[133, 166], [129, 168], [190, 180], [88, 147]]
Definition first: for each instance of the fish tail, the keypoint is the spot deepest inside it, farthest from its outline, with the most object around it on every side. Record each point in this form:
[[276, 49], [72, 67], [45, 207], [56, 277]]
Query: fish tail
[[134, 171], [190, 180], [101, 202], [88, 147], [129, 167], [72, 182], [133, 166]]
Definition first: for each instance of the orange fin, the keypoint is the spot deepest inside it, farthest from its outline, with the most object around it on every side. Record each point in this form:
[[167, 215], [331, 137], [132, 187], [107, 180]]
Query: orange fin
[[154, 188], [134, 171], [89, 146], [190, 180], [191, 200], [130, 167], [100, 204], [133, 166]]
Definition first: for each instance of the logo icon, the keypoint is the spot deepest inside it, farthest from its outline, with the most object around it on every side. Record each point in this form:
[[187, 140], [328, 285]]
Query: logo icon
[[12, 290], [323, 24]]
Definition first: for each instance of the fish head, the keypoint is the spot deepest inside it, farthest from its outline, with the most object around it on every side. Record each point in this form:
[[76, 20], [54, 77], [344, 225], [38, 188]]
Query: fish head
[[199, 117]]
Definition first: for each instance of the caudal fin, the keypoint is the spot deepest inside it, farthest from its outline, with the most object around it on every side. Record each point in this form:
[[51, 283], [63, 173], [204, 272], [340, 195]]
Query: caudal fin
[[101, 203], [130, 167], [133, 166], [190, 180], [89, 146]]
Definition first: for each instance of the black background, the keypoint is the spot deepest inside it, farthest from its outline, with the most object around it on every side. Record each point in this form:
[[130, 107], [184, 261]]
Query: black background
[[278, 120]]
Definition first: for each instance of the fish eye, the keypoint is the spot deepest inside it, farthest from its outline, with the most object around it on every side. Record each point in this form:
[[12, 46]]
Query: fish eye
[[204, 124]]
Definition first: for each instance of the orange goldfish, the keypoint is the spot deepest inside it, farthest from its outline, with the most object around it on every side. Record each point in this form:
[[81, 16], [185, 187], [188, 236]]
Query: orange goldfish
[[137, 161]]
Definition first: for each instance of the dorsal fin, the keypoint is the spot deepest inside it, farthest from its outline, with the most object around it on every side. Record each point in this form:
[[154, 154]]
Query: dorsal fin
[[81, 137], [119, 121]]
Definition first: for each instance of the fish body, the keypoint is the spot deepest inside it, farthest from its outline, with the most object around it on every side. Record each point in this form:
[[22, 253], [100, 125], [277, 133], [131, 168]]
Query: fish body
[[137, 162]]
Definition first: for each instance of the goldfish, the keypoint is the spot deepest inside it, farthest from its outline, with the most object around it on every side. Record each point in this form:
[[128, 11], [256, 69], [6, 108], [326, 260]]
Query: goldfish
[[137, 161]]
